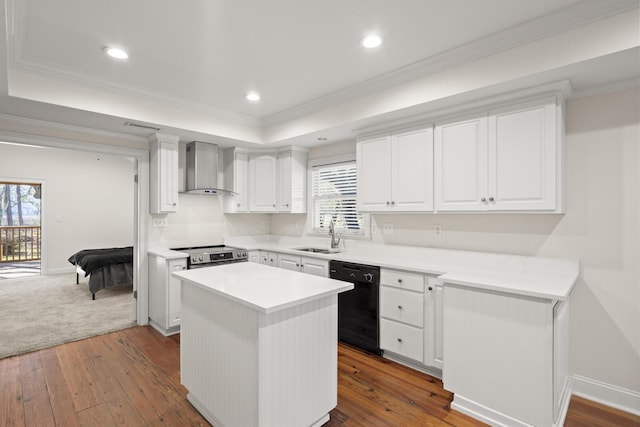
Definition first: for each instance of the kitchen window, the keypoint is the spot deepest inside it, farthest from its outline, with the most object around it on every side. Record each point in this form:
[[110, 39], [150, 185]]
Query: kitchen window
[[333, 197]]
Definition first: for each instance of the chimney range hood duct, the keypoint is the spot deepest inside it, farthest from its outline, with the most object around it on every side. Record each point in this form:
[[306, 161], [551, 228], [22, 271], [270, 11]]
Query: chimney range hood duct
[[202, 169]]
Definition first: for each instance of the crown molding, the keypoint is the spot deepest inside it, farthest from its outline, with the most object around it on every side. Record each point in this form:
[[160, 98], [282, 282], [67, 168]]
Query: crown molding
[[558, 22], [38, 67], [480, 102], [632, 83], [70, 144], [26, 121]]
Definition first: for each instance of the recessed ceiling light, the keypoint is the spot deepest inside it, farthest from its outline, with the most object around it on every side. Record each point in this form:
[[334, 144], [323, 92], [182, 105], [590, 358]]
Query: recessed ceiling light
[[253, 96], [116, 52], [371, 41]]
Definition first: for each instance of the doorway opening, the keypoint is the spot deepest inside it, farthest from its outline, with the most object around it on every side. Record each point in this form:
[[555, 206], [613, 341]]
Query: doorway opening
[[20, 229]]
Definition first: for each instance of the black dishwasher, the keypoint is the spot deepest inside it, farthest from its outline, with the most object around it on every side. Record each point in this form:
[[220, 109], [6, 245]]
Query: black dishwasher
[[358, 310]]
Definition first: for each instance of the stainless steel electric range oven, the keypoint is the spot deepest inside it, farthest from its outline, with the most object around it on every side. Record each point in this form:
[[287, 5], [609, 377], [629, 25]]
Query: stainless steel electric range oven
[[208, 256]]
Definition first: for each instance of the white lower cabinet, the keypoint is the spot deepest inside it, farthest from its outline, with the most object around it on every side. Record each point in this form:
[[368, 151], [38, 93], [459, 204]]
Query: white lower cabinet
[[164, 294], [402, 313], [507, 356], [411, 317], [289, 262], [402, 306], [269, 258], [317, 267], [433, 354], [309, 265], [254, 256], [401, 339]]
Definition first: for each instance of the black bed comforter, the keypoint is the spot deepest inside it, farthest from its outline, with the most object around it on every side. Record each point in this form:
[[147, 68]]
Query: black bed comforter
[[92, 259]]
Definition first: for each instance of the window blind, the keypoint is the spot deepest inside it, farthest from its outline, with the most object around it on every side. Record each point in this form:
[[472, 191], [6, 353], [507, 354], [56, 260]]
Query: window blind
[[334, 197]]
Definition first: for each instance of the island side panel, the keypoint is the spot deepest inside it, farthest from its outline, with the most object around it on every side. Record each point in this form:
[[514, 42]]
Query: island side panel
[[219, 357], [298, 363], [498, 354]]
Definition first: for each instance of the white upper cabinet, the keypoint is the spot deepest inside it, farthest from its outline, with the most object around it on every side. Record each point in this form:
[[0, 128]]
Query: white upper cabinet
[[412, 171], [163, 171], [395, 173], [236, 178], [292, 181], [374, 174], [262, 182], [265, 181], [523, 171], [461, 165], [505, 160]]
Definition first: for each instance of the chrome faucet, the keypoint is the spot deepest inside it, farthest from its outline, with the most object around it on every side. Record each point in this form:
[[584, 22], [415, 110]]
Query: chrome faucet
[[332, 232]]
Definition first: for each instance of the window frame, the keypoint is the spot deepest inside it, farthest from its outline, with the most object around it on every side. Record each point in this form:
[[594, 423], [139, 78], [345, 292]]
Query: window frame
[[311, 231]]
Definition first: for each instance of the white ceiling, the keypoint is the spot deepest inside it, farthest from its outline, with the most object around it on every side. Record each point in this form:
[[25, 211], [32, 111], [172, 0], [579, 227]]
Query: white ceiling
[[298, 54]]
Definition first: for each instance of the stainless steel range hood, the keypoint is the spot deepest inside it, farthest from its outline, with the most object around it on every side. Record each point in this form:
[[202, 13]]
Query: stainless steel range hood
[[202, 169]]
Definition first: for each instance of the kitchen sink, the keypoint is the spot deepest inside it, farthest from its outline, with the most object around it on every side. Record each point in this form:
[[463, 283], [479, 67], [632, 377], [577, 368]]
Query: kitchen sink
[[318, 250]]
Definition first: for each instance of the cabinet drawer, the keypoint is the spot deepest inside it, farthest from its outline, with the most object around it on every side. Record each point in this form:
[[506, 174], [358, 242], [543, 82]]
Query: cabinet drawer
[[403, 306], [401, 339], [402, 279]]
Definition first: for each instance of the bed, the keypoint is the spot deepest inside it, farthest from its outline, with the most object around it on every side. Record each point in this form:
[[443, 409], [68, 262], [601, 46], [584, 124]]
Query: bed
[[104, 267]]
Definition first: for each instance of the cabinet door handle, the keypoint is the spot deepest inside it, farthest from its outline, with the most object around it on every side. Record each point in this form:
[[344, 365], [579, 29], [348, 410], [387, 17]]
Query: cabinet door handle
[[430, 288], [274, 206], [491, 199], [393, 203], [399, 280], [399, 307], [238, 204], [173, 204], [484, 199], [387, 203], [399, 339], [286, 205]]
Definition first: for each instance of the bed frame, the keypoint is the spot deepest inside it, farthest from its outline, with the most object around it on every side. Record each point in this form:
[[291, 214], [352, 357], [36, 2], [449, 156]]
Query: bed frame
[[104, 267]]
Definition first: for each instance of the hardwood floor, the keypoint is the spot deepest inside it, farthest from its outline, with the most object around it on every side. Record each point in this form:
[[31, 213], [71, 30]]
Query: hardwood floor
[[132, 378]]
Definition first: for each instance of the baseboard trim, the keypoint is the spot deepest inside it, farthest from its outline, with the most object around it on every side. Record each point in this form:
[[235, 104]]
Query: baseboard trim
[[203, 410], [496, 418], [166, 332], [434, 372], [484, 414], [607, 394], [62, 270]]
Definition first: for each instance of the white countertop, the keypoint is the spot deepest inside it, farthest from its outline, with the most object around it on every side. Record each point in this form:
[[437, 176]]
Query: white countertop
[[263, 288], [167, 253], [540, 277]]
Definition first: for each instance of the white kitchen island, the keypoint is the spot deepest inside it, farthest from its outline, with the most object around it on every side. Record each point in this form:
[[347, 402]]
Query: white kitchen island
[[258, 345]]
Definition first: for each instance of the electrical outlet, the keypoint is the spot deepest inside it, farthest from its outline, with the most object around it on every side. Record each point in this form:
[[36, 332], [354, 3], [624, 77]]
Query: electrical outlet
[[437, 230], [160, 222], [387, 228]]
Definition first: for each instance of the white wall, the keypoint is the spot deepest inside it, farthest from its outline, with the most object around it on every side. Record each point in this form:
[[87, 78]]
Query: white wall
[[600, 228], [87, 198]]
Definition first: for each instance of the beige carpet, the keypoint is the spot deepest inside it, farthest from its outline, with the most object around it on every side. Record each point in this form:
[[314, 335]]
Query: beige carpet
[[43, 311]]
